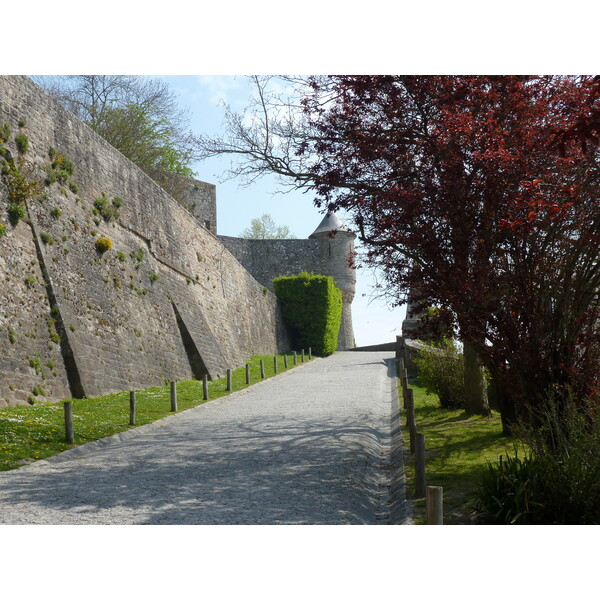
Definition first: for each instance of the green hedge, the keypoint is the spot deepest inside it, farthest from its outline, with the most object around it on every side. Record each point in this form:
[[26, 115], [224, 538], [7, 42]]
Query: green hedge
[[312, 308]]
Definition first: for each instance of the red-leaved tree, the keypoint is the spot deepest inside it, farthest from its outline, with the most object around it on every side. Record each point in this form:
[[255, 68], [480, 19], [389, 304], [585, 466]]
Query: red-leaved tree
[[458, 196]]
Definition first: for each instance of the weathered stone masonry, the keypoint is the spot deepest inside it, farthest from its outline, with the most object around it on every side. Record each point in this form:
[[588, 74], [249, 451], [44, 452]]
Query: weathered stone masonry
[[121, 324], [169, 300], [326, 252]]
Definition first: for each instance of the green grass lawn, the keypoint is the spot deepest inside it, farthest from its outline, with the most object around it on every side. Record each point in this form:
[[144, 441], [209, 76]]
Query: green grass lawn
[[456, 450], [29, 433]]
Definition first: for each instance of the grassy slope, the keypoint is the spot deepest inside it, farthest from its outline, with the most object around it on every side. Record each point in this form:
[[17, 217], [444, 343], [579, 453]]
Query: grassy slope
[[456, 450], [29, 433]]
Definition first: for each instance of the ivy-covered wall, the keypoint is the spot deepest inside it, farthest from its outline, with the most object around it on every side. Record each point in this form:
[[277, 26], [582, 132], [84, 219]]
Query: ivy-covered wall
[[312, 307]]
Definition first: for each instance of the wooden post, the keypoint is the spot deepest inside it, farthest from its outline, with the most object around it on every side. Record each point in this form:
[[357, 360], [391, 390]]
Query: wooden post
[[295, 358], [405, 389], [302, 354], [132, 408], [410, 409], [205, 386], [400, 366], [229, 384], [309, 353], [247, 374], [173, 396], [420, 465], [262, 369], [410, 419], [435, 505], [275, 364], [412, 431], [285, 363], [69, 422]]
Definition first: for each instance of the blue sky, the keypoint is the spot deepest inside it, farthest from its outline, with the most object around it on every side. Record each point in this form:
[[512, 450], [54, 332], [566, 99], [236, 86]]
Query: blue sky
[[374, 322]]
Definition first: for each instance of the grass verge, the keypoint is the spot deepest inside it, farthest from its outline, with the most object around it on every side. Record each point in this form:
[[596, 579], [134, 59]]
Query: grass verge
[[30, 433], [457, 448]]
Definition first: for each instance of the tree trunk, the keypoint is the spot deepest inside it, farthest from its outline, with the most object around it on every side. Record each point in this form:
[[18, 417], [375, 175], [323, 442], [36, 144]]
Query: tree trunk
[[476, 401]]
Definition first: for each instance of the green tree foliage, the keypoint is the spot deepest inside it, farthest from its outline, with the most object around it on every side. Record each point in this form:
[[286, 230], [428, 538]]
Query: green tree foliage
[[140, 116], [312, 308], [144, 138], [264, 228]]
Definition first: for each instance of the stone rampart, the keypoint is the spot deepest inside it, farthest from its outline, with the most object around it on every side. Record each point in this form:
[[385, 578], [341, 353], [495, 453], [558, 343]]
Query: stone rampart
[[267, 259], [168, 300]]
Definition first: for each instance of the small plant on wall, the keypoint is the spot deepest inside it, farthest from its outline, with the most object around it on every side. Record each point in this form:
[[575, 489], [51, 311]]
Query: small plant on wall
[[22, 142], [103, 244]]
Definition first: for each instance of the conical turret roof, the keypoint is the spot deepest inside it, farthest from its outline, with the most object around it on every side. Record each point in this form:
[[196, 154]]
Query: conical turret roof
[[331, 222]]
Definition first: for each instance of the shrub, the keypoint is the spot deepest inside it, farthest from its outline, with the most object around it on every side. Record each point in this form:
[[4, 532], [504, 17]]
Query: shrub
[[154, 276], [55, 212], [2, 229], [22, 142], [441, 372], [109, 212], [103, 244], [137, 255], [22, 123], [558, 482], [17, 178], [46, 238], [312, 308], [61, 162], [16, 212], [60, 170], [122, 256], [4, 133]]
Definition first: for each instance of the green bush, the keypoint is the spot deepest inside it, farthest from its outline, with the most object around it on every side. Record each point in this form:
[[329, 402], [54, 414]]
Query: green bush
[[103, 244], [109, 212], [22, 142], [46, 238], [60, 170], [312, 308], [441, 372], [16, 212], [4, 133], [2, 229], [558, 481]]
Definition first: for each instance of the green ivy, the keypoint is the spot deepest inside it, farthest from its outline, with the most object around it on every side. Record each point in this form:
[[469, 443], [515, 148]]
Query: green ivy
[[312, 308]]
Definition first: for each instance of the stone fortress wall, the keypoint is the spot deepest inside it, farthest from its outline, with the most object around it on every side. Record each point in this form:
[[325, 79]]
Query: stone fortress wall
[[169, 300], [325, 253]]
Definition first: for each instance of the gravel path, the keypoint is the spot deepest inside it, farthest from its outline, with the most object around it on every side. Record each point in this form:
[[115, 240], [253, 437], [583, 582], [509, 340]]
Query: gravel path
[[315, 445]]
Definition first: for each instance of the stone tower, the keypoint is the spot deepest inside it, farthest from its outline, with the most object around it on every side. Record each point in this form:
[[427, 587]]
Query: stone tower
[[337, 247]]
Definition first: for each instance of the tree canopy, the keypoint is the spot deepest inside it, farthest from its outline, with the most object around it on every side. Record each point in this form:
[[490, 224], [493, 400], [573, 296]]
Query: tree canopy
[[264, 228]]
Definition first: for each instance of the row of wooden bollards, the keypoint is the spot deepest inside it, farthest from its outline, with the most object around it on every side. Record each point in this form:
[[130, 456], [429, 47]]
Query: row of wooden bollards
[[68, 406], [434, 495]]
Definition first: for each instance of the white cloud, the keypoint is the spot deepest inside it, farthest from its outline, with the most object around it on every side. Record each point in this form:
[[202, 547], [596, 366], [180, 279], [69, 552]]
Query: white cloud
[[221, 87]]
